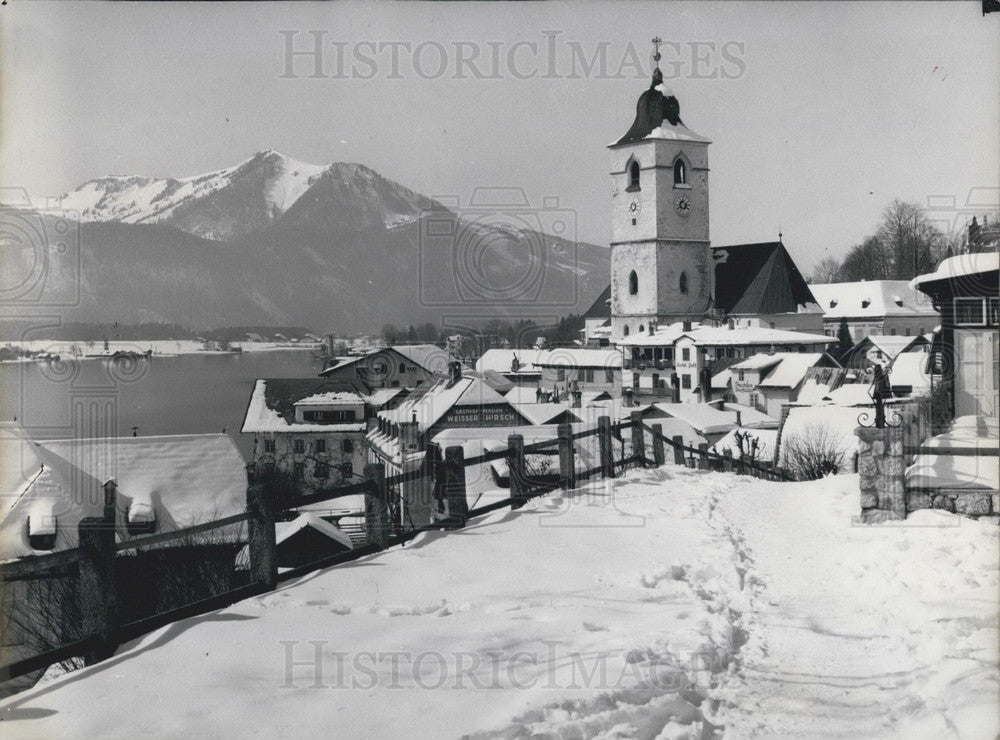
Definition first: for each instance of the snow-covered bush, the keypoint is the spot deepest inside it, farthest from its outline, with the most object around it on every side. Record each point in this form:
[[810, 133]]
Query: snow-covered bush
[[816, 451]]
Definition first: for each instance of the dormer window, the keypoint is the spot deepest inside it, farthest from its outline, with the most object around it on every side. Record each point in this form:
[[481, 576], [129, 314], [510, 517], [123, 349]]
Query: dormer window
[[680, 172], [833, 303], [633, 283], [633, 175], [898, 300], [865, 303]]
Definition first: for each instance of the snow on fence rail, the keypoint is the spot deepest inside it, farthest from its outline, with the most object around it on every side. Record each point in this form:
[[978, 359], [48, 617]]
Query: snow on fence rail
[[99, 591]]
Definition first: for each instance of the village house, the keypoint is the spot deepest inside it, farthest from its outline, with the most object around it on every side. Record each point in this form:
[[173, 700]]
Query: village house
[[964, 289], [670, 362], [767, 381], [399, 366], [881, 349], [875, 307], [312, 429]]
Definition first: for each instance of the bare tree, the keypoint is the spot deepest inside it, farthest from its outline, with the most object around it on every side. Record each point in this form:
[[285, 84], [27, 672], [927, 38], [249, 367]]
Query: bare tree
[[814, 453], [869, 260], [910, 239], [827, 270]]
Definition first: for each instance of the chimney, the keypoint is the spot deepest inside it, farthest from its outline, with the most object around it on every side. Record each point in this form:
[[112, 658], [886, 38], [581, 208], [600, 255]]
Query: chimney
[[627, 397], [739, 418], [409, 436], [577, 399]]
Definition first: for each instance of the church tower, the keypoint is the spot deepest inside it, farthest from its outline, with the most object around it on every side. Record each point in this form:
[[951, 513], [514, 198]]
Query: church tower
[[661, 265]]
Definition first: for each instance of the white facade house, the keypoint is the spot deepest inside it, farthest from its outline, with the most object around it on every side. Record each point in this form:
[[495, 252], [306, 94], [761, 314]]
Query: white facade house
[[875, 307]]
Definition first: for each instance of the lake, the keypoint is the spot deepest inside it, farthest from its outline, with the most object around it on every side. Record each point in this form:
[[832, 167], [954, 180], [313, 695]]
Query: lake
[[184, 394]]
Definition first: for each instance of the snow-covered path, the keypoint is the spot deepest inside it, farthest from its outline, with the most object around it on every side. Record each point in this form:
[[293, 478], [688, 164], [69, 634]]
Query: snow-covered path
[[664, 604]]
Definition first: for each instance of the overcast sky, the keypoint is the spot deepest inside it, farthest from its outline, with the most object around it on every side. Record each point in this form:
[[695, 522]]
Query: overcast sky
[[820, 113]]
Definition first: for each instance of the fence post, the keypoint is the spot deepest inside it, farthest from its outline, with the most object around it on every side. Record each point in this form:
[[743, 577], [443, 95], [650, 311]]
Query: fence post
[[98, 591], [567, 459], [376, 507], [638, 441], [727, 460], [516, 471], [702, 456], [604, 440], [454, 487], [261, 537], [659, 457], [678, 450]]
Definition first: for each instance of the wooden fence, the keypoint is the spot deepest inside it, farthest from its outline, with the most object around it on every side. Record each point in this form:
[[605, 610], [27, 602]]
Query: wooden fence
[[95, 557]]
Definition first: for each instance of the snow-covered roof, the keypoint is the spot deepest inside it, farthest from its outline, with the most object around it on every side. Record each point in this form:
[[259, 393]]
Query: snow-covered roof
[[284, 530], [501, 360], [703, 417], [930, 470], [271, 407], [912, 369], [545, 413], [428, 356], [892, 345], [716, 336], [850, 394], [791, 370], [183, 479], [751, 417], [381, 396], [330, 398], [522, 394], [871, 299], [578, 357], [960, 266], [759, 361], [429, 407], [813, 391]]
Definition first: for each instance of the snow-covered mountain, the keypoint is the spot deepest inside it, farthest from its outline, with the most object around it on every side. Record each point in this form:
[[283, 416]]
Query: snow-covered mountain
[[274, 240], [217, 205]]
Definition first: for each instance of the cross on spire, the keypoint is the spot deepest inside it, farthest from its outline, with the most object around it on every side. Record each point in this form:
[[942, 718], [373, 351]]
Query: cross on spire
[[656, 49]]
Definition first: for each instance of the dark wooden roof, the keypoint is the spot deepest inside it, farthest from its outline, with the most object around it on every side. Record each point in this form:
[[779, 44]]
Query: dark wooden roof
[[758, 279], [601, 308]]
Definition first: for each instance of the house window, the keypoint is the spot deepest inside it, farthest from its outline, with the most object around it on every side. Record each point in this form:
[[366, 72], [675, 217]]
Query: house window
[[625, 330], [633, 283], [347, 447], [609, 375], [686, 381], [322, 470], [907, 332], [680, 172], [268, 445], [755, 401], [993, 312], [686, 354], [347, 469], [642, 328], [684, 282], [633, 176], [742, 375], [299, 469], [588, 375], [320, 445], [969, 311], [298, 446], [402, 367], [892, 332]]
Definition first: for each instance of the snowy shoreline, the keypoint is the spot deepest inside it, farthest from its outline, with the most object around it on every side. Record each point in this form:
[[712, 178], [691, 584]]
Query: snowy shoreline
[[78, 350]]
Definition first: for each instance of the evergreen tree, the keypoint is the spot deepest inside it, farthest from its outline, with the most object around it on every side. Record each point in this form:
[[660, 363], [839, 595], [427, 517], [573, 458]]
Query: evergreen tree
[[844, 341]]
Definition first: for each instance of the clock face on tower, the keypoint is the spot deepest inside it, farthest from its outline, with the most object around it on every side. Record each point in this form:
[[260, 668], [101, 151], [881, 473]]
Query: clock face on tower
[[633, 207], [682, 204]]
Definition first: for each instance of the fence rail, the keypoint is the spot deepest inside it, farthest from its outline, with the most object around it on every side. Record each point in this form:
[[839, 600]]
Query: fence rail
[[96, 556]]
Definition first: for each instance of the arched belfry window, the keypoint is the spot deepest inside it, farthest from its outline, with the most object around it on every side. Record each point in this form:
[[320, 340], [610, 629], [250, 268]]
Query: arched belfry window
[[684, 282], [625, 330], [680, 172], [633, 175], [633, 283]]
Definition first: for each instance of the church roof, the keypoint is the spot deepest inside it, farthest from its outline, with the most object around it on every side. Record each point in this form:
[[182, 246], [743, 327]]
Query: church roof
[[758, 279], [658, 116], [601, 308]]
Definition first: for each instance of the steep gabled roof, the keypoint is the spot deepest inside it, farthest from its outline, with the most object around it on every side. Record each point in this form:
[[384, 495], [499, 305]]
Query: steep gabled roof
[[758, 279], [600, 308]]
